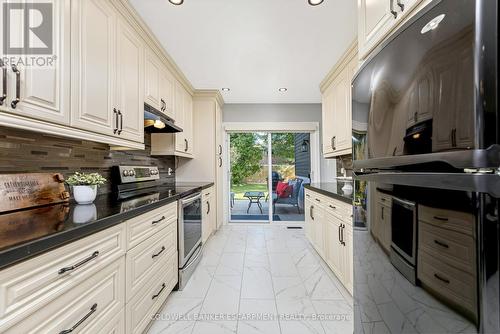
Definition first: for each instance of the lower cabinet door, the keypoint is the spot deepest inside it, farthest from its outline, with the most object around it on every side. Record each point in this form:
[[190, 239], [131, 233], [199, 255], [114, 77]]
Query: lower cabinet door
[[309, 208], [141, 308], [319, 234], [334, 249], [348, 259], [87, 308]]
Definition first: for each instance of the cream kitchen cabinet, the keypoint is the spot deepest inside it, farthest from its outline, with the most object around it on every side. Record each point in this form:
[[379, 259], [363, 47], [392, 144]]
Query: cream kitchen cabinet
[[208, 149], [159, 85], [378, 18], [181, 143], [130, 82], [209, 213], [105, 49], [40, 92], [329, 229], [337, 106]]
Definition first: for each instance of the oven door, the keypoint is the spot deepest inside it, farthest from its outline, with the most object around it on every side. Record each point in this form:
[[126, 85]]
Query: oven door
[[190, 213], [404, 229]]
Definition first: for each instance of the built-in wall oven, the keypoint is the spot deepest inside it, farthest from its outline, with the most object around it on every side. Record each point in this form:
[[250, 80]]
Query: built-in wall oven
[[404, 237], [189, 231]]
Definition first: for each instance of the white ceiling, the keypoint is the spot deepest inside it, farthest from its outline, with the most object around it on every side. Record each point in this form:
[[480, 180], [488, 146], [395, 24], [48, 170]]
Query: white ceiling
[[254, 47]]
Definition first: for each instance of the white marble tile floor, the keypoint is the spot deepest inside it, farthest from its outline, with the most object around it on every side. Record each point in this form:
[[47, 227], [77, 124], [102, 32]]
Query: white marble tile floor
[[258, 279]]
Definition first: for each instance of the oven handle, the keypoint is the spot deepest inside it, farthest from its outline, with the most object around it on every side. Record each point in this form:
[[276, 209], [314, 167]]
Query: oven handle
[[194, 257], [189, 200], [406, 204]]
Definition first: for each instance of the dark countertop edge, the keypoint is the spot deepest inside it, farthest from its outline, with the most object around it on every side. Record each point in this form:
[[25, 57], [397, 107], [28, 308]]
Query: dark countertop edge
[[329, 194], [17, 254]]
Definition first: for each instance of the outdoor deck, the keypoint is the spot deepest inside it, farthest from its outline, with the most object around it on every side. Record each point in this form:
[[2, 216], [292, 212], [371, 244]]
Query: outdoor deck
[[284, 212]]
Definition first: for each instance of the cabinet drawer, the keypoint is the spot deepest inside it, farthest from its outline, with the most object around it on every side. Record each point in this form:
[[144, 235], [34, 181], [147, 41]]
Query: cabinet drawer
[[144, 260], [93, 304], [339, 209], [141, 308], [384, 199], [451, 220], [144, 226], [456, 249], [30, 285], [450, 283]]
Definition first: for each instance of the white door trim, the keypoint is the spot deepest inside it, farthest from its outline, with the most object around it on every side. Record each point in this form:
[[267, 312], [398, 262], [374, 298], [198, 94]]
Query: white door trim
[[314, 146]]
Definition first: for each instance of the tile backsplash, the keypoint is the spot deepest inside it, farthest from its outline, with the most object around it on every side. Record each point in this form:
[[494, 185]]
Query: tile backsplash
[[27, 152]]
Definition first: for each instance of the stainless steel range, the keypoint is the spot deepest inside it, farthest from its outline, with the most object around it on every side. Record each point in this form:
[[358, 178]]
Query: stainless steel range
[[141, 185]]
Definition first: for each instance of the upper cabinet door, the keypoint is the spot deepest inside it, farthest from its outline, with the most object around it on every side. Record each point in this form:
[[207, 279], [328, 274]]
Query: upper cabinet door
[[42, 87], [327, 121], [180, 141], [153, 69], [167, 93], [93, 46], [129, 83], [342, 105], [188, 122], [374, 21]]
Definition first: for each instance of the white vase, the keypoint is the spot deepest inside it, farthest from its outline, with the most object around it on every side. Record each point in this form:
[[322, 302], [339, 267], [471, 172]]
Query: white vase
[[84, 194]]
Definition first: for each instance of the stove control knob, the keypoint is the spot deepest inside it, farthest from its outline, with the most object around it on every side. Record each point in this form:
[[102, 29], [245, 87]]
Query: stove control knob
[[125, 172], [131, 172]]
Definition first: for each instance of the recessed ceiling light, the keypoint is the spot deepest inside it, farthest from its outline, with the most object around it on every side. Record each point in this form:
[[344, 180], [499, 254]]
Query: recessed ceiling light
[[315, 2], [432, 24], [283, 89], [226, 89], [176, 2]]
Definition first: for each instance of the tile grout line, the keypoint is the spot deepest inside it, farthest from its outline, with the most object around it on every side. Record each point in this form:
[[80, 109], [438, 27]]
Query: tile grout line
[[242, 274], [272, 285]]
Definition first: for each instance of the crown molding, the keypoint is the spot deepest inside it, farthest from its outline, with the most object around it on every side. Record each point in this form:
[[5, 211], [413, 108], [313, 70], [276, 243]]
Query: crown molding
[[209, 94], [348, 55], [133, 18]]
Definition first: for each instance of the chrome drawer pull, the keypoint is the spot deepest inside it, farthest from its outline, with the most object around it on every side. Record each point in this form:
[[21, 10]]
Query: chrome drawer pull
[[158, 254], [333, 207], [158, 221], [441, 218], [4, 82], [317, 200], [159, 292], [311, 212], [14, 103], [92, 310], [442, 279], [442, 244], [79, 264]]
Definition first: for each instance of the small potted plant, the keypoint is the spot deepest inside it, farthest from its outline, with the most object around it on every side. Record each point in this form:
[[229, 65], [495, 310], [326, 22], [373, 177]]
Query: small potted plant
[[85, 186]]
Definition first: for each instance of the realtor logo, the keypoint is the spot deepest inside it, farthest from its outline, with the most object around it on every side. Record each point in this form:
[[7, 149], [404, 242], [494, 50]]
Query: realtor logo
[[27, 28]]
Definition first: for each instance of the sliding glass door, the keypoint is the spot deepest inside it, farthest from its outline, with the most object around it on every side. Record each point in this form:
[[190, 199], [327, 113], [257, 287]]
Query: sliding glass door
[[268, 172]]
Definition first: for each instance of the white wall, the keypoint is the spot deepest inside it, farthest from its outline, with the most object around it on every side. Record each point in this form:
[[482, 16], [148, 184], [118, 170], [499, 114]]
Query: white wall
[[281, 113]]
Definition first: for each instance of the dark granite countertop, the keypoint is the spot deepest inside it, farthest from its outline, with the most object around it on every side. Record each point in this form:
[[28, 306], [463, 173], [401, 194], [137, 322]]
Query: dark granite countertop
[[26, 233], [331, 189]]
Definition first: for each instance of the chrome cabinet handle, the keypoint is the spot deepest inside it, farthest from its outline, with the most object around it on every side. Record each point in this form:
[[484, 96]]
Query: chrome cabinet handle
[[79, 264], [318, 200], [382, 213], [393, 12], [115, 115], [401, 5], [163, 105], [333, 207], [447, 281], [154, 222], [159, 292], [220, 162], [220, 149], [120, 115], [186, 145], [158, 254], [208, 209], [442, 244], [4, 82], [18, 87], [340, 237], [72, 329], [441, 218], [334, 139], [311, 212]]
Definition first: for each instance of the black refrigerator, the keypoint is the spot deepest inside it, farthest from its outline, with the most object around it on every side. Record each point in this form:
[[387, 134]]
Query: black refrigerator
[[426, 156]]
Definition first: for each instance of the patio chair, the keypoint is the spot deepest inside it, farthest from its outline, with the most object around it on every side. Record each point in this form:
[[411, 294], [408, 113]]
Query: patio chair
[[293, 199], [275, 178]]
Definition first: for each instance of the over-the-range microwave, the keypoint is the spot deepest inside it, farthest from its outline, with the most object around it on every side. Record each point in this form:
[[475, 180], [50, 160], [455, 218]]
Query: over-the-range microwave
[[426, 99]]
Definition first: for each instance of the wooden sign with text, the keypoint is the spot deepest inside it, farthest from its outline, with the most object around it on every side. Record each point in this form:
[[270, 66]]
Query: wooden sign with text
[[20, 191]]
